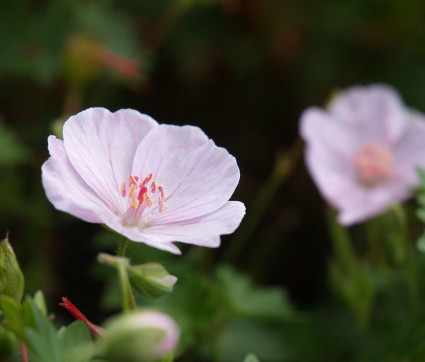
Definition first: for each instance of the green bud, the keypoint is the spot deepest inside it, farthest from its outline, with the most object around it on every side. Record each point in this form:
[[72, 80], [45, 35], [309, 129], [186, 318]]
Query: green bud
[[151, 280], [146, 335], [11, 277]]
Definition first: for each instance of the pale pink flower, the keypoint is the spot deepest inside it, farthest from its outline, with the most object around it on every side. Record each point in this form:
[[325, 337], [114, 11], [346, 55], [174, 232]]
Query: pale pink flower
[[363, 151], [151, 183]]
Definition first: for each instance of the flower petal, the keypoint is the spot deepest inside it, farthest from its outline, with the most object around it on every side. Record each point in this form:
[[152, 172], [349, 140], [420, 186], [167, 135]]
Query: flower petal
[[203, 230], [66, 190], [410, 151], [101, 145], [198, 177], [223, 221], [376, 110]]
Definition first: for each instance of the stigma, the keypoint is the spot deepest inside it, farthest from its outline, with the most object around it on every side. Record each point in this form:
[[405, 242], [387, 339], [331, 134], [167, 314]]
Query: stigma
[[373, 164], [146, 192]]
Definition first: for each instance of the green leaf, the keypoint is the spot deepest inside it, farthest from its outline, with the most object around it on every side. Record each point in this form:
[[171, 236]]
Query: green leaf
[[43, 340], [13, 313], [76, 342], [151, 279], [11, 151], [11, 277], [242, 336], [246, 300], [40, 301]]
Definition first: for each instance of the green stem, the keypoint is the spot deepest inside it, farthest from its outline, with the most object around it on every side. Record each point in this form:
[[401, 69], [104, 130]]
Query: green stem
[[281, 171], [122, 247], [342, 245], [409, 263], [127, 297]]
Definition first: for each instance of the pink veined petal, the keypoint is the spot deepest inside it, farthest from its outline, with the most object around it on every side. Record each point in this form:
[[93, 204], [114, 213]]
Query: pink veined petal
[[376, 110], [203, 230], [66, 190], [319, 129], [362, 202], [198, 177], [223, 221], [410, 151], [101, 145], [328, 154]]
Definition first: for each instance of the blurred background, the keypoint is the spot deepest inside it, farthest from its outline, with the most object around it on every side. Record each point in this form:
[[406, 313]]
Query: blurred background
[[243, 71]]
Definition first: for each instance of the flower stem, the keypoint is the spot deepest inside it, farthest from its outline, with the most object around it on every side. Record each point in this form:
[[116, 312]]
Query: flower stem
[[409, 263], [127, 298], [122, 246], [24, 352]]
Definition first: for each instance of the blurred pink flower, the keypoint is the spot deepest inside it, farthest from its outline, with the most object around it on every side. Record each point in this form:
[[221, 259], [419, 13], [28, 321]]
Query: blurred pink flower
[[151, 183], [364, 150], [145, 335]]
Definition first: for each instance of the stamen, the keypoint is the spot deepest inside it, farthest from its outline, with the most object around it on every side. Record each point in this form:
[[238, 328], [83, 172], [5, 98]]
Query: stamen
[[142, 192], [132, 191], [123, 191], [147, 199], [146, 180], [134, 203], [154, 186], [373, 164], [161, 205], [161, 190]]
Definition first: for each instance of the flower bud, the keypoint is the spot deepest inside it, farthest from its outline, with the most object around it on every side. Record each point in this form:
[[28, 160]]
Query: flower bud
[[146, 335], [151, 280], [11, 277]]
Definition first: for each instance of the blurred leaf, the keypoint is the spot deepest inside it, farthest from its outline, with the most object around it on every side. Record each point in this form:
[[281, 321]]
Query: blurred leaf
[[42, 337], [356, 289], [151, 279], [11, 151], [11, 277], [241, 336], [76, 342], [421, 243], [40, 301], [255, 302], [13, 313]]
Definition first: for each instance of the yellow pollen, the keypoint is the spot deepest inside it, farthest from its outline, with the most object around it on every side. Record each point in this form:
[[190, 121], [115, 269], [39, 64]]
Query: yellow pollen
[[122, 190], [161, 190], [134, 203], [132, 191], [139, 194], [154, 186], [147, 199]]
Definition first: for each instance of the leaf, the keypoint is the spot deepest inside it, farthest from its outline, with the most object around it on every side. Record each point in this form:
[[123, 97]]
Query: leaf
[[13, 313], [242, 336], [11, 277], [43, 340], [76, 342], [246, 300], [420, 244]]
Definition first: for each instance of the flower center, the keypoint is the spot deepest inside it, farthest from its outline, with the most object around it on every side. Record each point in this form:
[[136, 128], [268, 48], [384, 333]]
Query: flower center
[[143, 192], [373, 164]]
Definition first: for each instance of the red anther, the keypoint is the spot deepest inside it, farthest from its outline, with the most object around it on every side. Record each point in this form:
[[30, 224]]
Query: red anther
[[161, 190], [71, 308], [123, 191], [147, 199], [146, 180], [154, 186], [132, 180]]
